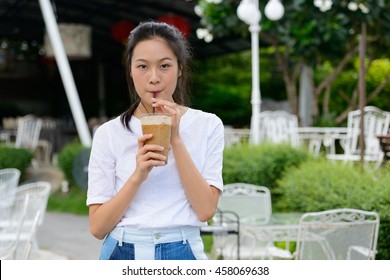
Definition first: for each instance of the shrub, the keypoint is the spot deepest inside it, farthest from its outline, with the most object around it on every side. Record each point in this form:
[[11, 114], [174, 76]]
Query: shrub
[[321, 185], [15, 158], [73, 161], [261, 164]]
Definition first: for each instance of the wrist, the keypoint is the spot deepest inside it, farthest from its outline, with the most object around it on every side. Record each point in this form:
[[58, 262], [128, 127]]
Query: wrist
[[135, 180], [175, 142]]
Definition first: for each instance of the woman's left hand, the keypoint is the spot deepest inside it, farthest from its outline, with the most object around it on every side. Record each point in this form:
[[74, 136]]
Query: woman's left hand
[[170, 108]]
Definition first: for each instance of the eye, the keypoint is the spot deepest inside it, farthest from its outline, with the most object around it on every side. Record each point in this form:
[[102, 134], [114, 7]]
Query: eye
[[141, 66], [165, 66]]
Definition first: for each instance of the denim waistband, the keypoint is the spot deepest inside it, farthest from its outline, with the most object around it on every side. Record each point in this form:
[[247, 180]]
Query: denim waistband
[[154, 236]]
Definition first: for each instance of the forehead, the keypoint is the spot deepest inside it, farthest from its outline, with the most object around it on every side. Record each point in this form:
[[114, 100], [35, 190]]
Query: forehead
[[155, 48]]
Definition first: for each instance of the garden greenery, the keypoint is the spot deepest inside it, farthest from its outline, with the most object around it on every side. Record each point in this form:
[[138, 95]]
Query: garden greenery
[[260, 165], [298, 183], [11, 157], [322, 185], [66, 159]]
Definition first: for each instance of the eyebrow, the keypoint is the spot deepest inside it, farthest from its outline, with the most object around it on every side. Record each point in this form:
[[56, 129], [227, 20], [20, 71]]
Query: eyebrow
[[145, 60]]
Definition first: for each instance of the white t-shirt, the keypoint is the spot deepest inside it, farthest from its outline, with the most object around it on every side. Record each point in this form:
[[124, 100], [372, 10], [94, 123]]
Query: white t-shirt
[[160, 201]]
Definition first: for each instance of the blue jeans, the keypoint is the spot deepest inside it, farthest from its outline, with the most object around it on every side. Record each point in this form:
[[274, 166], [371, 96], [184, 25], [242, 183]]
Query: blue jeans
[[171, 244]]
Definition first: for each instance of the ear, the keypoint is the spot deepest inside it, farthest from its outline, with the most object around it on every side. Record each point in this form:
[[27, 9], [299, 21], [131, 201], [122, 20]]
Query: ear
[[180, 70]]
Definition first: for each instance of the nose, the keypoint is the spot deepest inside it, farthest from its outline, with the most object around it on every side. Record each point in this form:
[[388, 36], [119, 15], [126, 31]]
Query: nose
[[154, 77]]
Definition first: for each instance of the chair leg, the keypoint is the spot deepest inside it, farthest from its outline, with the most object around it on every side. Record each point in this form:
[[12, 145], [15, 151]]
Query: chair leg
[[379, 162], [34, 163]]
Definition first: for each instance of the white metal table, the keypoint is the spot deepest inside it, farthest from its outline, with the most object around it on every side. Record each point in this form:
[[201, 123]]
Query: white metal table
[[282, 227], [236, 136], [322, 136], [228, 223]]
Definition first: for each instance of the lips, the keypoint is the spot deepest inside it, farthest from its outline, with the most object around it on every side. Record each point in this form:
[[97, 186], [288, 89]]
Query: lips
[[155, 92]]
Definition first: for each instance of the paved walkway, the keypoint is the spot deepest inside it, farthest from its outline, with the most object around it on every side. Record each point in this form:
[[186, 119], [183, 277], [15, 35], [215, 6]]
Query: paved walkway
[[62, 235], [66, 236]]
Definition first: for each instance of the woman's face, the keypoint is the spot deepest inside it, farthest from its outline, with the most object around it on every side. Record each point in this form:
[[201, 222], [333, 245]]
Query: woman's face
[[155, 70]]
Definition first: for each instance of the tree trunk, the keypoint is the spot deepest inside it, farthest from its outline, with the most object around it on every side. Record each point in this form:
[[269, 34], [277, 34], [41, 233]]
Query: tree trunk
[[326, 84], [290, 77], [362, 87], [325, 106], [330, 79], [306, 96], [378, 89]]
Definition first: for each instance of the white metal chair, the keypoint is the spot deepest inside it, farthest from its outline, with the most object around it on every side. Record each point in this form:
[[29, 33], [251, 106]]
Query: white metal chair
[[40, 190], [338, 234], [9, 180], [12, 214], [376, 122], [279, 127], [44, 149], [27, 136], [36, 194], [253, 205], [250, 202]]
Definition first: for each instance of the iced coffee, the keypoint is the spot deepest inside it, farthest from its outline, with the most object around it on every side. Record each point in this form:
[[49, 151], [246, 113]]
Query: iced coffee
[[159, 125]]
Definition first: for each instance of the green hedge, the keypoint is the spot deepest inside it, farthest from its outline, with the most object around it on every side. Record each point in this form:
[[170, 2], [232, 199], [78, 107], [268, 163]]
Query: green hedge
[[260, 164], [73, 201], [15, 158], [322, 185], [73, 160]]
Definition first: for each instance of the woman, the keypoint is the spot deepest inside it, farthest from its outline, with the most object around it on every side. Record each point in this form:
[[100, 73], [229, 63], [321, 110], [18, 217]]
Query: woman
[[143, 208]]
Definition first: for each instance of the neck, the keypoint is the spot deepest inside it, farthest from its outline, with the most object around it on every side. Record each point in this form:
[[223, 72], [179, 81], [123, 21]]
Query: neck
[[142, 109]]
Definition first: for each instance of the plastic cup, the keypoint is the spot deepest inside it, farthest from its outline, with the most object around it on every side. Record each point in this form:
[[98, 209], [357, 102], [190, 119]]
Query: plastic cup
[[159, 125]]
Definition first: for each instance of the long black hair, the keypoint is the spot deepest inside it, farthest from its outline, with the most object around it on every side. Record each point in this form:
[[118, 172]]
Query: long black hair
[[180, 47]]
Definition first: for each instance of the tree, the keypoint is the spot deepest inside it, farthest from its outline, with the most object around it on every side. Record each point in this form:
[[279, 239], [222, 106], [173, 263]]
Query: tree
[[313, 32]]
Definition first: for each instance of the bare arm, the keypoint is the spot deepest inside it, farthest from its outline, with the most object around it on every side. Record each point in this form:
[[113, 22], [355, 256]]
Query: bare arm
[[202, 196]]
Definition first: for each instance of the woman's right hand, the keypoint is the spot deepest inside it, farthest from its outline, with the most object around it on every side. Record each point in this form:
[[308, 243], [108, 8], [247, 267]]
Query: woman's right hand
[[147, 157]]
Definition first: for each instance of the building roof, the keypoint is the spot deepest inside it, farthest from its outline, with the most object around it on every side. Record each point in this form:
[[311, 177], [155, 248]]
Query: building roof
[[22, 20]]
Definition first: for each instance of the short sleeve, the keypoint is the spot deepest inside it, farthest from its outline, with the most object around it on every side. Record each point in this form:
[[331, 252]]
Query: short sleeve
[[101, 168], [212, 171]]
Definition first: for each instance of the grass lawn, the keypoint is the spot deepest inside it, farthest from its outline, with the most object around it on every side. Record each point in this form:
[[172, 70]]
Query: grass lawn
[[73, 202]]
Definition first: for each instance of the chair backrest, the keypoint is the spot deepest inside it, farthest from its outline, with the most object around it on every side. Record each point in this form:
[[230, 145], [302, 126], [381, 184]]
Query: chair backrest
[[29, 129], [9, 180], [36, 194], [338, 234], [376, 122], [250, 202], [279, 127], [12, 215], [39, 195]]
